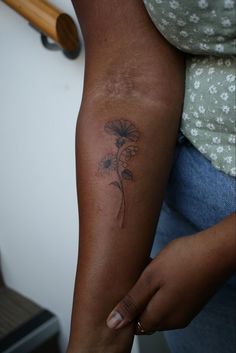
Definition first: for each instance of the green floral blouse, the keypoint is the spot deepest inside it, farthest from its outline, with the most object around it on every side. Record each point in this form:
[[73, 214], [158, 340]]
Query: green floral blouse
[[205, 29]]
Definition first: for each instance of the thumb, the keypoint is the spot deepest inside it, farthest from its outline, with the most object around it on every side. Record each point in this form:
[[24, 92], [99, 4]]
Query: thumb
[[133, 304]]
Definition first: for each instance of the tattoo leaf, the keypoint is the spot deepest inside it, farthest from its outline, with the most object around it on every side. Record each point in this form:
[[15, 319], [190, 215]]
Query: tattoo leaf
[[127, 174], [116, 184]]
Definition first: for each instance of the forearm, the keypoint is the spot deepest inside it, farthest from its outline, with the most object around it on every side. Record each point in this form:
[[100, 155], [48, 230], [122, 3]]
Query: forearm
[[119, 211], [220, 247]]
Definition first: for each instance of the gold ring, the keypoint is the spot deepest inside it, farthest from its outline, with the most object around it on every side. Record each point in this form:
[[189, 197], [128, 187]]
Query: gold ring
[[140, 328], [141, 331]]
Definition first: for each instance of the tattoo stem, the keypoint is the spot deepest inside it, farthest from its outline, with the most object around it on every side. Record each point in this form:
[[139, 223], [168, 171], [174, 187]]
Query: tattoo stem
[[125, 132], [121, 212]]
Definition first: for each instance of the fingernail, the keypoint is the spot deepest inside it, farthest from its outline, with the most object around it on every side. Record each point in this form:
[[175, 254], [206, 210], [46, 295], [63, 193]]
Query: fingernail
[[114, 319]]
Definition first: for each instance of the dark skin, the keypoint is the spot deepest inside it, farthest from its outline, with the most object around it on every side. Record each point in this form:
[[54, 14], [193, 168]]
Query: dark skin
[[131, 74], [176, 285]]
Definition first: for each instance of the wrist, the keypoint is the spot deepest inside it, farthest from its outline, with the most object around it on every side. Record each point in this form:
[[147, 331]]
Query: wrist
[[228, 228], [102, 340], [220, 242]]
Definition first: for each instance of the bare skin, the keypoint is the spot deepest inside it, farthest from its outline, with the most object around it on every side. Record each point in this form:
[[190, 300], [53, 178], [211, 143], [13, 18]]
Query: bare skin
[[176, 285], [132, 75]]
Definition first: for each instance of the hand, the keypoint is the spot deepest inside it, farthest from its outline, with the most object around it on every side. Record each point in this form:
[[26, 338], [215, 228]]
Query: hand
[[174, 286]]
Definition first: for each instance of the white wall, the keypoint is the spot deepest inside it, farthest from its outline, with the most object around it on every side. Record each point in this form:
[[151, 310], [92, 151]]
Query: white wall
[[40, 93]]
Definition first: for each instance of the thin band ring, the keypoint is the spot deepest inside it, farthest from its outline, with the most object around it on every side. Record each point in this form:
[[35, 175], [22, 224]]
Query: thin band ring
[[140, 329]]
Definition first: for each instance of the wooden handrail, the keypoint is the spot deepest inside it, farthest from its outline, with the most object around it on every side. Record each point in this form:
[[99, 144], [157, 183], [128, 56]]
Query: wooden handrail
[[50, 21]]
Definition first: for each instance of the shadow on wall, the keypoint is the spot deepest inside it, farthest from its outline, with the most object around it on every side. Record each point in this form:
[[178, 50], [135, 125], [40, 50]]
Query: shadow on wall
[[153, 344]]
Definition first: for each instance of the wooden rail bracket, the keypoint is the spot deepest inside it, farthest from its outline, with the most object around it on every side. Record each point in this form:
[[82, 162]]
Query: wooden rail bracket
[[57, 29]]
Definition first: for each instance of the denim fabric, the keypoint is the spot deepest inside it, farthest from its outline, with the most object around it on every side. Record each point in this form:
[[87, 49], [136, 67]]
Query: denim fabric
[[197, 197]]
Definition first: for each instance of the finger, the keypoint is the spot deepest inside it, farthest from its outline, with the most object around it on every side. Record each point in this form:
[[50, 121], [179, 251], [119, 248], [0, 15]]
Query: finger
[[135, 301], [153, 316], [141, 331]]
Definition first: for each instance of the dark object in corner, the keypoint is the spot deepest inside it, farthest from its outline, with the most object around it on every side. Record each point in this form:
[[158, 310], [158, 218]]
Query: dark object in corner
[[25, 327]]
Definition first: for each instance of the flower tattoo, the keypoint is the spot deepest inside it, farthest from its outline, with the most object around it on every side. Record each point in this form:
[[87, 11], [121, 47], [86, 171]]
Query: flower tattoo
[[123, 129], [126, 135], [107, 164]]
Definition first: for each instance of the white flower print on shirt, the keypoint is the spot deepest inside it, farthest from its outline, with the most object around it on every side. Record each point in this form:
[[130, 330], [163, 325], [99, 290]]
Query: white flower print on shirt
[[198, 123], [174, 4], [184, 46], [164, 22], [232, 88], [219, 48], [203, 46], [151, 7], [228, 4], [208, 107], [194, 18], [203, 4], [225, 109], [213, 156], [202, 149], [183, 34], [228, 62], [211, 70], [209, 31], [172, 15], [196, 84], [194, 132], [211, 126], [233, 171], [199, 71], [162, 28], [225, 21], [224, 96], [213, 13], [220, 149], [185, 116], [212, 89], [220, 39], [228, 159], [174, 38], [192, 97], [216, 140], [220, 120], [230, 78], [232, 139], [181, 23], [201, 109]]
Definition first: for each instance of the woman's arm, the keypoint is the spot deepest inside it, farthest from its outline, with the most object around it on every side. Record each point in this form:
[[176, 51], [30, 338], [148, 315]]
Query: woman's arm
[[126, 133], [176, 285]]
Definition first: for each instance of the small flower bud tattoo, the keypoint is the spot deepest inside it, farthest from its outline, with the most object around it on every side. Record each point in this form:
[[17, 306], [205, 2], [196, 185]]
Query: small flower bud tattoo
[[126, 135]]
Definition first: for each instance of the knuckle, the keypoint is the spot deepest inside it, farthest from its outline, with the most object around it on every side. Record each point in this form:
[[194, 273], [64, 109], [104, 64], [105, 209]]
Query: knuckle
[[147, 277], [128, 307]]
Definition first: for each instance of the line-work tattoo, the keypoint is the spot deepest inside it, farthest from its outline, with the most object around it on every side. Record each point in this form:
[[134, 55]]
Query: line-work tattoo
[[126, 135]]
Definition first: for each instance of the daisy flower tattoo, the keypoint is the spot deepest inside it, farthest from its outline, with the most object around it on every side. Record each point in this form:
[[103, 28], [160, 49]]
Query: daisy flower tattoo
[[126, 135]]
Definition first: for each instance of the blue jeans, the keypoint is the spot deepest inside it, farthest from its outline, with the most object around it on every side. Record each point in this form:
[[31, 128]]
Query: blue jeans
[[197, 197]]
